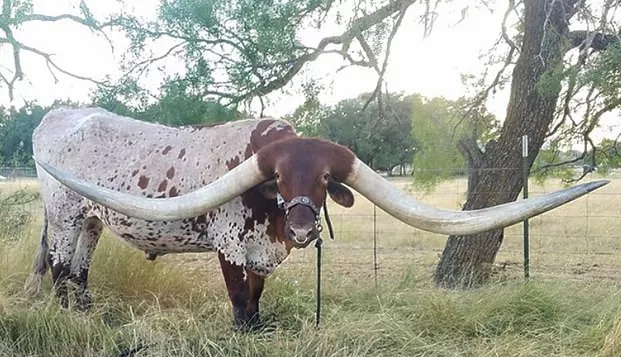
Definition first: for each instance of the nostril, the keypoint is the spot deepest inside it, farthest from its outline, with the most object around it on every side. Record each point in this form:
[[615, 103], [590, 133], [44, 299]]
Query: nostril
[[301, 235]]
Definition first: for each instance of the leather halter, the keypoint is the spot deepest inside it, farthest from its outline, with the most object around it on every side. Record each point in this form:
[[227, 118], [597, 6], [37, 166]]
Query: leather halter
[[300, 200], [303, 201]]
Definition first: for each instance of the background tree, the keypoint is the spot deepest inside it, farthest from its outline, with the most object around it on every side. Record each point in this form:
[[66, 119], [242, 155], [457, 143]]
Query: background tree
[[441, 132], [380, 137], [16, 128], [546, 84], [307, 117], [609, 155], [175, 107]]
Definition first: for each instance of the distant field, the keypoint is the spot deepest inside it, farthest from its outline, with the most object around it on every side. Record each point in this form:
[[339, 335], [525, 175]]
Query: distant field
[[177, 305]]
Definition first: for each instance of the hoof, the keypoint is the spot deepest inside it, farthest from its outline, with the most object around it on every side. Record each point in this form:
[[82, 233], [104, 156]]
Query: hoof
[[32, 286], [84, 301], [253, 324]]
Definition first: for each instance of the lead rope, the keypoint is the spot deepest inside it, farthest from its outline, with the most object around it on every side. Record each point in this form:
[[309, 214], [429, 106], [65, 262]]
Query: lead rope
[[318, 245], [318, 311]]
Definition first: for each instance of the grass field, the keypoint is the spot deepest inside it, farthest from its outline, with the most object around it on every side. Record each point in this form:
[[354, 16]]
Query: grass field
[[177, 305]]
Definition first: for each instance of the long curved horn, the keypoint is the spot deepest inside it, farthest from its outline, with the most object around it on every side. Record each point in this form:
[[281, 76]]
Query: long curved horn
[[232, 184], [379, 191]]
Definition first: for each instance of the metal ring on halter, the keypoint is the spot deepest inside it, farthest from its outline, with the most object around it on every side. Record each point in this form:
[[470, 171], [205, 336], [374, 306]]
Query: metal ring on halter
[[298, 241]]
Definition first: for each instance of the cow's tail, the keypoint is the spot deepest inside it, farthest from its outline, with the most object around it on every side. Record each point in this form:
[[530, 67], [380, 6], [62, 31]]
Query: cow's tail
[[40, 266]]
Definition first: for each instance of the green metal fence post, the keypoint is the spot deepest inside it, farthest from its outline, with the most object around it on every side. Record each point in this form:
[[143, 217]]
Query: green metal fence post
[[525, 192]]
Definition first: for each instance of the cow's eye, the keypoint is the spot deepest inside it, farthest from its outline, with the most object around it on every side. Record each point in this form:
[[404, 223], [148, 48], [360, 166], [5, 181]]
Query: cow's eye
[[326, 176], [276, 175]]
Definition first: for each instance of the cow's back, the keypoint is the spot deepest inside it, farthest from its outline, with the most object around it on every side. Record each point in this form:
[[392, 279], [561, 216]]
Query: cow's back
[[144, 158]]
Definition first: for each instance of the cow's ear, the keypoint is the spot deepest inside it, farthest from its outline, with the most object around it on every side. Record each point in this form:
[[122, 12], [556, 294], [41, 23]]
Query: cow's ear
[[340, 194], [268, 189]]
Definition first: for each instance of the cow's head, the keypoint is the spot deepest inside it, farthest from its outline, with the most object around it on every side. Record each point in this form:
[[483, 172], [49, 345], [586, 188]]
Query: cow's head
[[303, 172], [312, 168]]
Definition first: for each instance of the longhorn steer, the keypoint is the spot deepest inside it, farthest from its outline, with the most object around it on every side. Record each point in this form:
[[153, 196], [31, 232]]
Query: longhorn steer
[[194, 189]]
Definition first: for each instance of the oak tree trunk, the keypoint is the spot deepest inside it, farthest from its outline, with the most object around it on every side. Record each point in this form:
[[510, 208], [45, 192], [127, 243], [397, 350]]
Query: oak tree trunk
[[495, 175]]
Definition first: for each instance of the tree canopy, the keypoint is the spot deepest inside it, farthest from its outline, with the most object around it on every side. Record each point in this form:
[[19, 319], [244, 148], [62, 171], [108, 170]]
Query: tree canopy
[[441, 130], [236, 52], [379, 137], [175, 107], [16, 127]]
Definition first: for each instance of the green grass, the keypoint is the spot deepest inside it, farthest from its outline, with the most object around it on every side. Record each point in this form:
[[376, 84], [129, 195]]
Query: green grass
[[535, 319], [177, 305]]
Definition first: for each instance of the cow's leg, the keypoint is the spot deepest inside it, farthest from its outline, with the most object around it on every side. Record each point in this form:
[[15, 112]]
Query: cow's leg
[[238, 289], [40, 266], [63, 238], [91, 230], [255, 284]]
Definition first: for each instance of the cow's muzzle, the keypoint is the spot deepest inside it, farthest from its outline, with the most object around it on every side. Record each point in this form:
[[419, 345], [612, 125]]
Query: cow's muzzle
[[301, 234]]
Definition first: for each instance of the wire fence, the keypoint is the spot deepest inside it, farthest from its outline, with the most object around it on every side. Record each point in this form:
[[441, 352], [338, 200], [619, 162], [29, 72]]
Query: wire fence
[[16, 173], [580, 240]]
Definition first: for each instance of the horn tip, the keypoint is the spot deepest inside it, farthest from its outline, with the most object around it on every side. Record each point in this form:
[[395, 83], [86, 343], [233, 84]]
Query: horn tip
[[594, 185]]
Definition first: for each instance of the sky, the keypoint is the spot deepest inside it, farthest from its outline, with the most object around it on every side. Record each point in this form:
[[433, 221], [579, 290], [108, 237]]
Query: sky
[[429, 66]]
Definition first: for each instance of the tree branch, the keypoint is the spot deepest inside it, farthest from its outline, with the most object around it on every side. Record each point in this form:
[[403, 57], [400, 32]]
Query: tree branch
[[468, 147], [505, 36], [17, 63], [594, 120], [152, 60], [6, 9], [358, 27], [380, 79], [430, 16], [49, 18], [369, 52], [600, 41], [50, 62], [7, 21], [482, 96]]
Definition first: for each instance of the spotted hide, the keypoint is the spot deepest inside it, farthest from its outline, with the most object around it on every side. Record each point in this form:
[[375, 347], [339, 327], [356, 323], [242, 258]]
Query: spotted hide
[[157, 161]]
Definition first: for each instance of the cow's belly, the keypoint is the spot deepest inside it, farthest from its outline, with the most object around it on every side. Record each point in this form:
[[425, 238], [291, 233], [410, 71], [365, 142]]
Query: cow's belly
[[225, 230], [240, 245], [161, 238]]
